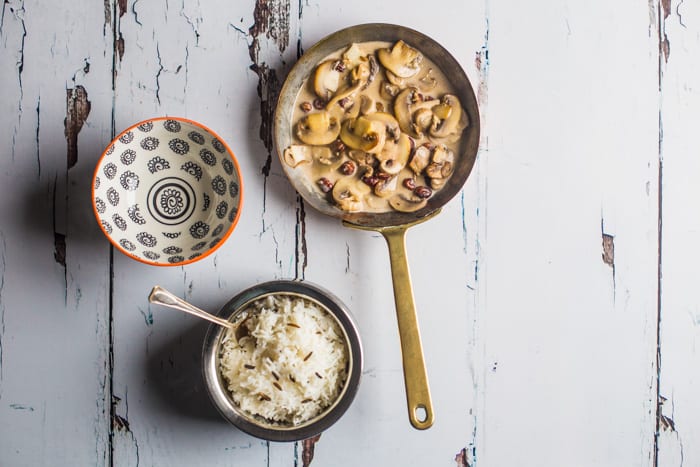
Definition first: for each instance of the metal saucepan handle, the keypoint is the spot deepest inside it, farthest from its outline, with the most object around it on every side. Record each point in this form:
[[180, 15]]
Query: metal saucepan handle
[[420, 406]]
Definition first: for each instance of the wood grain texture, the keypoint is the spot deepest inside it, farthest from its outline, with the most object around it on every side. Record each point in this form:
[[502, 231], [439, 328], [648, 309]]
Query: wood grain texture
[[555, 293], [679, 374]]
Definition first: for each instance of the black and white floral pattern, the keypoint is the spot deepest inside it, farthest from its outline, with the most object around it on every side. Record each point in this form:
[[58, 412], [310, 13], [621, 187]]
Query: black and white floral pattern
[[171, 234], [152, 255], [119, 221], [107, 227], [195, 255], [227, 165], [179, 146], [128, 157], [214, 242], [221, 210], [110, 150], [218, 145], [199, 229], [233, 189], [172, 126], [196, 137], [193, 169], [146, 127], [149, 143], [171, 201], [126, 138], [127, 245], [97, 182], [217, 230], [176, 259], [134, 213], [146, 239], [198, 246], [232, 214], [129, 180], [100, 205], [110, 170], [207, 156], [172, 250], [218, 184], [113, 196], [206, 201], [157, 163]]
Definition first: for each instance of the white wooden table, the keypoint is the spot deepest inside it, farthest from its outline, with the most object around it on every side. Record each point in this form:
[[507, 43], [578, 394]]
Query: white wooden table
[[557, 294]]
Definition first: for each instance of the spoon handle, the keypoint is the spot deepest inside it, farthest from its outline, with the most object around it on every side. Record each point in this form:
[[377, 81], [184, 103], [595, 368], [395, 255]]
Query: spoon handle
[[160, 296]]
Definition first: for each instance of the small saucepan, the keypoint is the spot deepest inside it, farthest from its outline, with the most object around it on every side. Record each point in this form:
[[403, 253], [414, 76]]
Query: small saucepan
[[392, 225]]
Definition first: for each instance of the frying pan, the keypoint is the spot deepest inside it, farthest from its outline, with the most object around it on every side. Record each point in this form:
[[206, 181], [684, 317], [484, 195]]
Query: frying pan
[[392, 225]]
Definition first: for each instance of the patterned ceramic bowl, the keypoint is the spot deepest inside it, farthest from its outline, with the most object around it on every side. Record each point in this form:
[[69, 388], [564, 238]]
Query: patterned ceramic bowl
[[167, 191]]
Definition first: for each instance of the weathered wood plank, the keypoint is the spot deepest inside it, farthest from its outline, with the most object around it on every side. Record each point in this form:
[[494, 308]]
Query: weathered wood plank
[[194, 60], [54, 267], [679, 376], [354, 265], [568, 338]]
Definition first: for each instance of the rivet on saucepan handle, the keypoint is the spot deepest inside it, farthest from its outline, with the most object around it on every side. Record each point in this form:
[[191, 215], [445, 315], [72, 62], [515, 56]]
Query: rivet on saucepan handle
[[420, 405]]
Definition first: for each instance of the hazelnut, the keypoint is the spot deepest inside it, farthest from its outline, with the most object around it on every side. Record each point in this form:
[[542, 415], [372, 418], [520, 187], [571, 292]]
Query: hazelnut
[[348, 168], [423, 192], [306, 106], [325, 185], [370, 180]]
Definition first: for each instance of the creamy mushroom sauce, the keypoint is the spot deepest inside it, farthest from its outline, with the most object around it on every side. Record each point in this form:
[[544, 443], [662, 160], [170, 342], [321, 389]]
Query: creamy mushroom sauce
[[410, 162]]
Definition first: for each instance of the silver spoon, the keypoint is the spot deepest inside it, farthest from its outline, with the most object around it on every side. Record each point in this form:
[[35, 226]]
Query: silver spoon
[[160, 296]]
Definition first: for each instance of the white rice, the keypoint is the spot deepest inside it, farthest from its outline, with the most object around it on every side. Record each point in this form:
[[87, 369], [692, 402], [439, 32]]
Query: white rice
[[292, 363]]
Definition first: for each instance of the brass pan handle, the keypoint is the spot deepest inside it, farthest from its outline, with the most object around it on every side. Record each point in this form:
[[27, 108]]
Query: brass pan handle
[[420, 406]]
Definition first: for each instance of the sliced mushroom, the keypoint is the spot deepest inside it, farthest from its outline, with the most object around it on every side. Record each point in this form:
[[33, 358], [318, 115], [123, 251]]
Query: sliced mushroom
[[367, 104], [420, 159], [427, 81], [422, 119], [297, 154], [434, 170], [384, 188], [394, 156], [326, 79], [349, 194], [300, 153], [401, 203], [393, 79], [402, 110], [388, 91], [318, 128], [345, 93], [361, 73], [402, 60], [364, 159], [352, 55], [352, 108], [449, 119], [437, 183], [364, 134], [442, 164], [391, 125], [373, 69], [442, 154]]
